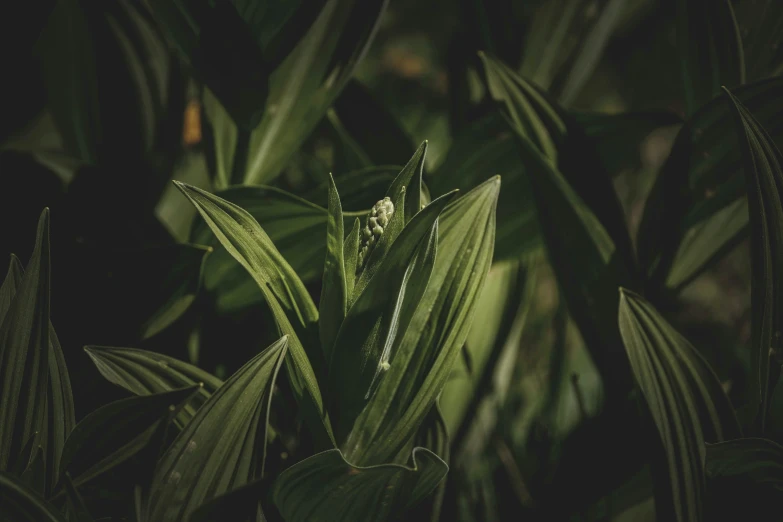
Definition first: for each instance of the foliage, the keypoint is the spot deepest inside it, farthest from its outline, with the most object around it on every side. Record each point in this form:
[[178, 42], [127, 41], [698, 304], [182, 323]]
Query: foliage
[[220, 177]]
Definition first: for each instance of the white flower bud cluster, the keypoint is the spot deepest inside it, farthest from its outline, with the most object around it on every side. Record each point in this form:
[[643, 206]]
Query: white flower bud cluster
[[379, 217]]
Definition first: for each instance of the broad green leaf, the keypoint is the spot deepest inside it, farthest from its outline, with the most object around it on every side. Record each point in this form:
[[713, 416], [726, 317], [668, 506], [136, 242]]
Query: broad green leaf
[[430, 345], [713, 162], [378, 318], [533, 117], [434, 436], [557, 142], [684, 396], [485, 148], [325, 487], [295, 226], [224, 446], [62, 419], [114, 433], [756, 459], [148, 373], [710, 50], [19, 503], [293, 309], [24, 356], [507, 293], [763, 166], [707, 241], [334, 294]]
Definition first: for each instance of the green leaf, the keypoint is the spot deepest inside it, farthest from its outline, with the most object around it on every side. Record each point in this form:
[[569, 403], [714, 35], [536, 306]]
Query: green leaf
[[293, 309], [432, 343], [433, 436], [684, 396], [712, 160], [351, 256], [505, 299], [756, 459], [409, 179], [325, 487], [11, 283], [149, 373], [708, 241], [710, 50], [22, 504], [532, 115], [763, 166], [485, 148], [378, 318], [301, 88], [61, 420], [24, 356], [334, 294], [224, 446], [114, 433], [294, 225]]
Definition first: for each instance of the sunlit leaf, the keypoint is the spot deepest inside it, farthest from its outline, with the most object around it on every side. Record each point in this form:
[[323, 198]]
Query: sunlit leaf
[[293, 309], [432, 343], [334, 293], [295, 226], [684, 396], [224, 446], [378, 318]]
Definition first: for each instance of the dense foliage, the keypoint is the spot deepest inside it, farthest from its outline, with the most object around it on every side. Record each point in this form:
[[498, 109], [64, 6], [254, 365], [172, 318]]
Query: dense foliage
[[252, 297]]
